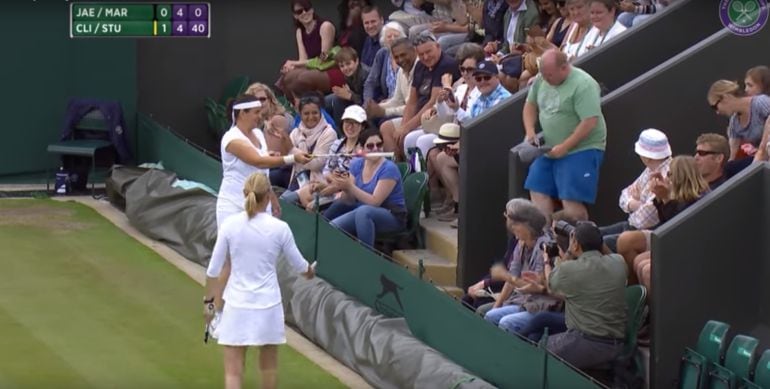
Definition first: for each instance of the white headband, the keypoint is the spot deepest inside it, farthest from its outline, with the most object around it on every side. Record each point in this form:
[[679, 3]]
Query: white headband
[[248, 104]]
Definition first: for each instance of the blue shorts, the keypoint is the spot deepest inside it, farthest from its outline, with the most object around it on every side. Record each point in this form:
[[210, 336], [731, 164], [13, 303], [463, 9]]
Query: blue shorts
[[574, 177]]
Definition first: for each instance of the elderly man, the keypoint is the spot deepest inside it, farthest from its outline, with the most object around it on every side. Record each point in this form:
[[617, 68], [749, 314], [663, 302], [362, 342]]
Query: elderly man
[[565, 100], [404, 54], [426, 86], [487, 80], [372, 21], [711, 154]]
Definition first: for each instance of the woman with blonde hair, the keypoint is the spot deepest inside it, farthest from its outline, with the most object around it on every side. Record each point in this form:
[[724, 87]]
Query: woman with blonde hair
[[270, 105], [253, 240], [749, 120], [673, 194]]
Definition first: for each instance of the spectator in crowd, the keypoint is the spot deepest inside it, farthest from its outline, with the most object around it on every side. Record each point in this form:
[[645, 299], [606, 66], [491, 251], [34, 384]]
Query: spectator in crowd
[[491, 91], [524, 292], [593, 287], [636, 12], [574, 42], [447, 168], [313, 136], [315, 39], [351, 32], [549, 14], [711, 154], [605, 27], [373, 197], [749, 116], [637, 199], [426, 86], [456, 101], [298, 118], [278, 142], [484, 292], [405, 56], [372, 20], [493, 13], [254, 242], [414, 12], [757, 81], [352, 92], [383, 75], [553, 320], [673, 194], [559, 29], [452, 32], [519, 18], [353, 122], [270, 105], [565, 101], [534, 49]]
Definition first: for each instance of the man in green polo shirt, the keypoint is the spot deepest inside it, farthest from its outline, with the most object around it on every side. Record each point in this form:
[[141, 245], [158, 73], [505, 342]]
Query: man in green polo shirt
[[566, 102], [593, 286]]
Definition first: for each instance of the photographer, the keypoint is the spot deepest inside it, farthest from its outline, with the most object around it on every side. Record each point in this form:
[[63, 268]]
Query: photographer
[[593, 286]]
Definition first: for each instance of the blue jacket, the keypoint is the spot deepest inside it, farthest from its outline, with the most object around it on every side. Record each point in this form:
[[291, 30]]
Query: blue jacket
[[376, 85]]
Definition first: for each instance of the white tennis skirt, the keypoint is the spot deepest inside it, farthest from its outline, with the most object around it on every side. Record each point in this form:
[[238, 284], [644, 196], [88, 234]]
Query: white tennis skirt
[[251, 327]]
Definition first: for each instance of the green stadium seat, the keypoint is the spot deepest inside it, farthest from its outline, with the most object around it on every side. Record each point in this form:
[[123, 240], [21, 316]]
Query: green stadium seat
[[762, 371], [696, 364], [404, 168], [415, 187], [739, 361]]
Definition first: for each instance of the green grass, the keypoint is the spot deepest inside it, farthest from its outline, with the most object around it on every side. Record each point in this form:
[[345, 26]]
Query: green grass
[[83, 305]]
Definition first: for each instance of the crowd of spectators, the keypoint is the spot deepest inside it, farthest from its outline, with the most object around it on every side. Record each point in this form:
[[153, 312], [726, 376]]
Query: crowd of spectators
[[410, 82]]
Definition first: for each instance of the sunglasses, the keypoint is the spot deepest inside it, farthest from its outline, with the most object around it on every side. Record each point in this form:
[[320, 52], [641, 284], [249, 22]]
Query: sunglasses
[[482, 78], [716, 105], [704, 153], [466, 70], [300, 11], [373, 146]]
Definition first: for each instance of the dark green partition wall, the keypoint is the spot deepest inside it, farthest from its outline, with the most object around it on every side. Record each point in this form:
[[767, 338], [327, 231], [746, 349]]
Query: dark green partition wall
[[484, 160], [42, 68], [432, 316], [710, 262]]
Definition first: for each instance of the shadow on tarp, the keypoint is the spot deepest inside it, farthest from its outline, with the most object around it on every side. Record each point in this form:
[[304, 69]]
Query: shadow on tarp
[[432, 316]]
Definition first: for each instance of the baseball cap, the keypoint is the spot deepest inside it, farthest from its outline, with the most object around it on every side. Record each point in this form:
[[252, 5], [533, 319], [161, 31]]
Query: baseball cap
[[354, 112]]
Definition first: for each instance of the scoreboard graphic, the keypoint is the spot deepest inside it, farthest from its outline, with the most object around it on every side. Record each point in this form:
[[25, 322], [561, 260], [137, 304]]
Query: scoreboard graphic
[[140, 20]]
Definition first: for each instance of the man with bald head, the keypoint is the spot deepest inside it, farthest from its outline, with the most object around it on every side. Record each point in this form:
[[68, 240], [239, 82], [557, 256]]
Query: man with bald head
[[566, 102]]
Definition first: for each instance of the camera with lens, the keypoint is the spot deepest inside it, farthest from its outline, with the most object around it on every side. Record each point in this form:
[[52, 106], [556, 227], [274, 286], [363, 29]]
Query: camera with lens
[[563, 228]]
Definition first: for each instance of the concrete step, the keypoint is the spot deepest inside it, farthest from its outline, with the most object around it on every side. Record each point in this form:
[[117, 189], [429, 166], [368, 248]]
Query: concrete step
[[440, 238], [437, 268]]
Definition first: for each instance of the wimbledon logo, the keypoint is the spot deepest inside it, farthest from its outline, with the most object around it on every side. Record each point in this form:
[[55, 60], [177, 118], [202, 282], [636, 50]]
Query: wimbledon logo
[[743, 17]]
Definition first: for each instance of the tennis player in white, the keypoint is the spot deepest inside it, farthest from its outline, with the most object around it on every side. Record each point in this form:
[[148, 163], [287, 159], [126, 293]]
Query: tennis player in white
[[254, 240]]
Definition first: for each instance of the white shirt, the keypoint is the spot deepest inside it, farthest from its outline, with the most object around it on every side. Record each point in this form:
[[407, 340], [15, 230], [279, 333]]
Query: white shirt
[[234, 171], [394, 106], [595, 39], [514, 22], [461, 114], [254, 245]]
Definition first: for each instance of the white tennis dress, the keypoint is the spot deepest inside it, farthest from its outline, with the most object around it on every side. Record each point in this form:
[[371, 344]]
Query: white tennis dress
[[234, 173], [253, 315]]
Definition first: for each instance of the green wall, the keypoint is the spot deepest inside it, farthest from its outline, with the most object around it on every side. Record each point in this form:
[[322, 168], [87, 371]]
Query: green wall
[[42, 68]]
